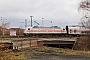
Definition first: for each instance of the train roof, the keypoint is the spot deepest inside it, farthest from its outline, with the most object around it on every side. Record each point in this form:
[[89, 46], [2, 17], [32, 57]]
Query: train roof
[[45, 27], [78, 27]]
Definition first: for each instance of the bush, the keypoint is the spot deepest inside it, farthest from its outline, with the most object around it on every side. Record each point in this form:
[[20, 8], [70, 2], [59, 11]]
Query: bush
[[83, 43]]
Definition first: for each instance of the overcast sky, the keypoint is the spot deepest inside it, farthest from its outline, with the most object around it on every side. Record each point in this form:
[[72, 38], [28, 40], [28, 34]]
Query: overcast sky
[[60, 12]]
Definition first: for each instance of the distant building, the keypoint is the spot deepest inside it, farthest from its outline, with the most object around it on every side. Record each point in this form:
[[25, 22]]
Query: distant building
[[5, 31], [12, 32], [17, 30]]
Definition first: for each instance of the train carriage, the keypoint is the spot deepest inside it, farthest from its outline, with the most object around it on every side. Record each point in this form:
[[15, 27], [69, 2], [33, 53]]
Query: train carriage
[[74, 30], [78, 31], [56, 31]]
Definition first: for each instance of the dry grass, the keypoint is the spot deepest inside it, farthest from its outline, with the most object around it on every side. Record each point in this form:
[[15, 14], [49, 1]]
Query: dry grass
[[59, 51], [10, 55], [30, 52]]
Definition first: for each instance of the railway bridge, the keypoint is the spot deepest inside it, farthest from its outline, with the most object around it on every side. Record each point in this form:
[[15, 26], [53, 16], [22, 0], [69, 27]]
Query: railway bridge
[[59, 43]]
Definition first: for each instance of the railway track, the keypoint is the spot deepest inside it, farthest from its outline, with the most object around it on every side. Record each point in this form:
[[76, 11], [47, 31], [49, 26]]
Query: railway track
[[39, 36]]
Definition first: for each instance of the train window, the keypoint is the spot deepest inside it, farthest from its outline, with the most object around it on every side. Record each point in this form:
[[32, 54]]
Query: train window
[[82, 32], [70, 30], [75, 31], [28, 28]]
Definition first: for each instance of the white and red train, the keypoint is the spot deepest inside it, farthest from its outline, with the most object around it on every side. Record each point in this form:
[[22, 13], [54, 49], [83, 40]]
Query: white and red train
[[56, 31]]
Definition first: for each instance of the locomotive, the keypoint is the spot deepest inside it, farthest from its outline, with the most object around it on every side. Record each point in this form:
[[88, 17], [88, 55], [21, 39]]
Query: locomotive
[[56, 31]]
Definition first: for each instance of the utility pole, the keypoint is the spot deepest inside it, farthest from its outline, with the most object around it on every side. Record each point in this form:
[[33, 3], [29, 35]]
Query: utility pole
[[31, 20], [42, 22], [25, 23]]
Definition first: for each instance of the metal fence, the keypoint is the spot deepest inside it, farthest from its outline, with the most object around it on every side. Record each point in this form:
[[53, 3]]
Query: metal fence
[[17, 43], [24, 42]]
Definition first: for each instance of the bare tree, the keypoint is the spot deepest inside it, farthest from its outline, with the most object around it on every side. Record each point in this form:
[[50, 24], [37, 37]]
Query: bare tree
[[84, 6], [4, 27]]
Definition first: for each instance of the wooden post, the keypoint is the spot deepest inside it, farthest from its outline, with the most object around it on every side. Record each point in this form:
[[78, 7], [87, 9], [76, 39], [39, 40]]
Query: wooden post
[[59, 45], [21, 44], [30, 42]]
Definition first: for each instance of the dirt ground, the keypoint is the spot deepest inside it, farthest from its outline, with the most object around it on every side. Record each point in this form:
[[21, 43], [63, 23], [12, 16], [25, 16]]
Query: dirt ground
[[59, 57]]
